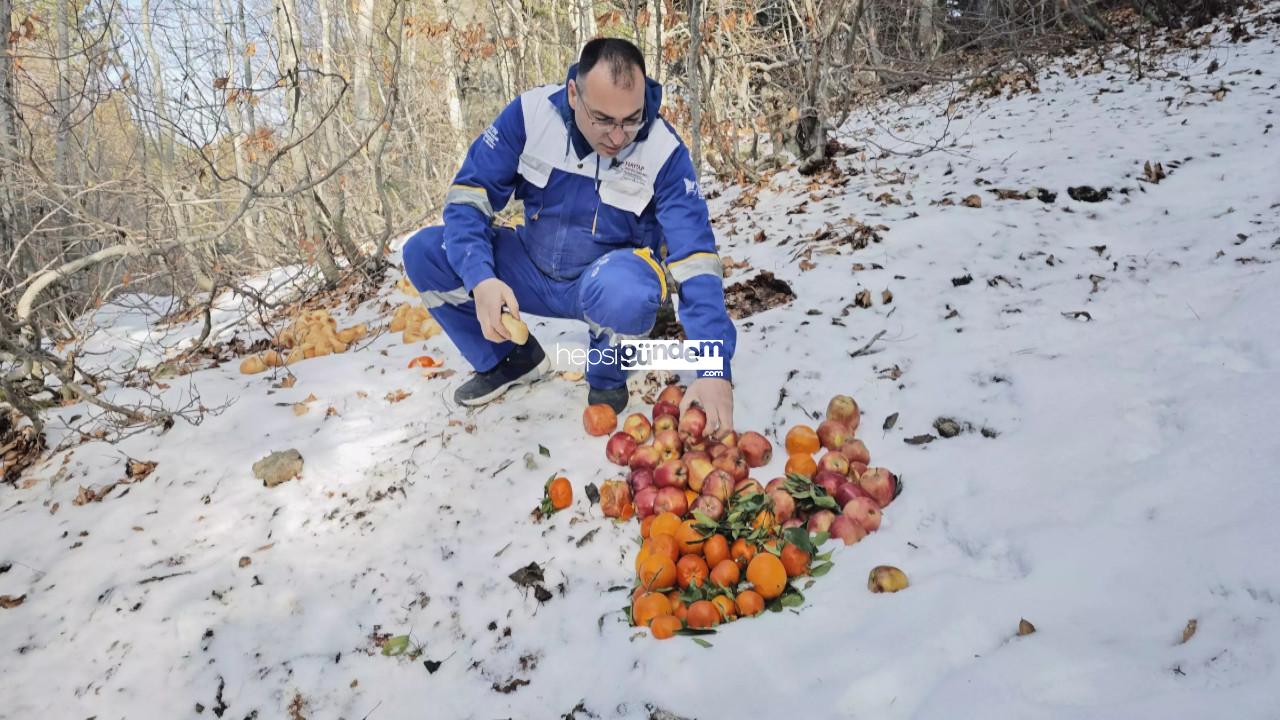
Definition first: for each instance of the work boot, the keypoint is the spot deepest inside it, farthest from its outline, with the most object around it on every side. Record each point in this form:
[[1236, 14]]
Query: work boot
[[615, 398], [524, 365]]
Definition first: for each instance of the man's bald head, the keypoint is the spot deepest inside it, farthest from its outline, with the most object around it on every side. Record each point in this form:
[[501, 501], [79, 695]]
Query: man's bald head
[[619, 58]]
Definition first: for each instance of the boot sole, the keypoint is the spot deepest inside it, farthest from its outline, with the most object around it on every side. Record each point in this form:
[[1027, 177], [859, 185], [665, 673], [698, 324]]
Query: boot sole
[[529, 378]]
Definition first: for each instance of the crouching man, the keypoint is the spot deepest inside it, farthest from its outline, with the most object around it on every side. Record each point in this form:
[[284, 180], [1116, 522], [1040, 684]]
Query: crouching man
[[607, 187]]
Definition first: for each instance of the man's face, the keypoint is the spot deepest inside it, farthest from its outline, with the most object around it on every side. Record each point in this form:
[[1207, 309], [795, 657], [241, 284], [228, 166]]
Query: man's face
[[607, 114]]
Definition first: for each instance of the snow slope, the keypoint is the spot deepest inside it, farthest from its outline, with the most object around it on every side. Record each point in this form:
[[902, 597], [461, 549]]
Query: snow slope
[[1128, 488]]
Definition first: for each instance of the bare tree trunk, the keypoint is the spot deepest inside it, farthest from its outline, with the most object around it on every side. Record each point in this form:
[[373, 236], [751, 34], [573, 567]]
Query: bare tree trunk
[[870, 22], [245, 169], [584, 23], [62, 102], [168, 156], [9, 152], [929, 36], [290, 40], [654, 39], [694, 65], [338, 215], [362, 62], [523, 40], [453, 102]]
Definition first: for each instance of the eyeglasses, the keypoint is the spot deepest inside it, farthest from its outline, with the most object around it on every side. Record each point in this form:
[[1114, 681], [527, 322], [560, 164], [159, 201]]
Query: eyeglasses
[[608, 125]]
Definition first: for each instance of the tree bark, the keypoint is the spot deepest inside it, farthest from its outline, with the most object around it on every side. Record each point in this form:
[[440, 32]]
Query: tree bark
[[453, 104], [929, 37], [9, 151], [168, 155], [694, 65], [290, 39], [330, 115], [362, 60], [236, 122]]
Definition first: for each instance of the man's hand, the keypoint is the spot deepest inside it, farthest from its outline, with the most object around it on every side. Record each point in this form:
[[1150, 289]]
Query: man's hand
[[715, 396], [490, 296]]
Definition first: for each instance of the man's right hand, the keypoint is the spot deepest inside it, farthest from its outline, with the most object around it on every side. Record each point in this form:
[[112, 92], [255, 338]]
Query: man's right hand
[[490, 296]]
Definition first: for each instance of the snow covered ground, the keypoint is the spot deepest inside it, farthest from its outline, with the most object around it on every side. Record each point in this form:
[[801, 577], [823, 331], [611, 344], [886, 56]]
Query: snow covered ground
[[1129, 486]]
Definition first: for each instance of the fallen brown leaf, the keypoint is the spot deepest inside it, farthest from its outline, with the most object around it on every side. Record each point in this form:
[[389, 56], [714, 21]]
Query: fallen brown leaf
[[139, 469], [1189, 630], [397, 395]]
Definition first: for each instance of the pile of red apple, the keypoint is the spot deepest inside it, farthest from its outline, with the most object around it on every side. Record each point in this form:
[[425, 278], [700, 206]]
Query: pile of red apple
[[673, 467]]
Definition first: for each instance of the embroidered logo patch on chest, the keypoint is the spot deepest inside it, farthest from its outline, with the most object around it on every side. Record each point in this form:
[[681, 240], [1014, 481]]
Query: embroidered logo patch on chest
[[631, 171]]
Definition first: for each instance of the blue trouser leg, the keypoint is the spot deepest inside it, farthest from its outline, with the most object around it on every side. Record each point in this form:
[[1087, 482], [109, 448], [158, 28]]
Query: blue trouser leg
[[443, 293], [619, 297]]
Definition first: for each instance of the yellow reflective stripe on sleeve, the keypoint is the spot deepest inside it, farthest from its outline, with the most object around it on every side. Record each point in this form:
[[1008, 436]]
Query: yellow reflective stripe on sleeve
[[647, 256], [703, 263], [469, 195]]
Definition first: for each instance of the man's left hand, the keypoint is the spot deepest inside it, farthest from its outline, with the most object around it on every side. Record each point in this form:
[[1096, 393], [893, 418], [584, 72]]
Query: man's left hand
[[715, 396]]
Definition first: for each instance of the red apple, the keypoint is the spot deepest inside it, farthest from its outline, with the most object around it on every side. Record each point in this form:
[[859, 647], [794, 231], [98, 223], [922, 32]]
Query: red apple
[[756, 448], [718, 484], [784, 506], [699, 467], [731, 439], [717, 449], [662, 408], [672, 500], [856, 469], [668, 444], [844, 409], [835, 462], [856, 451], [829, 481], [743, 488], [645, 456], [793, 523], [640, 479], [637, 426], [692, 423], [865, 512], [847, 529], [778, 483], [709, 506], [821, 521], [671, 394], [599, 419], [644, 500], [700, 446], [848, 491], [732, 462], [880, 484], [833, 434], [671, 474], [620, 448], [662, 423], [690, 454]]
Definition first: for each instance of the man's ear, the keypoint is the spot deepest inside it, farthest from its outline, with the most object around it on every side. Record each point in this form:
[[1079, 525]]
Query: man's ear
[[573, 94]]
